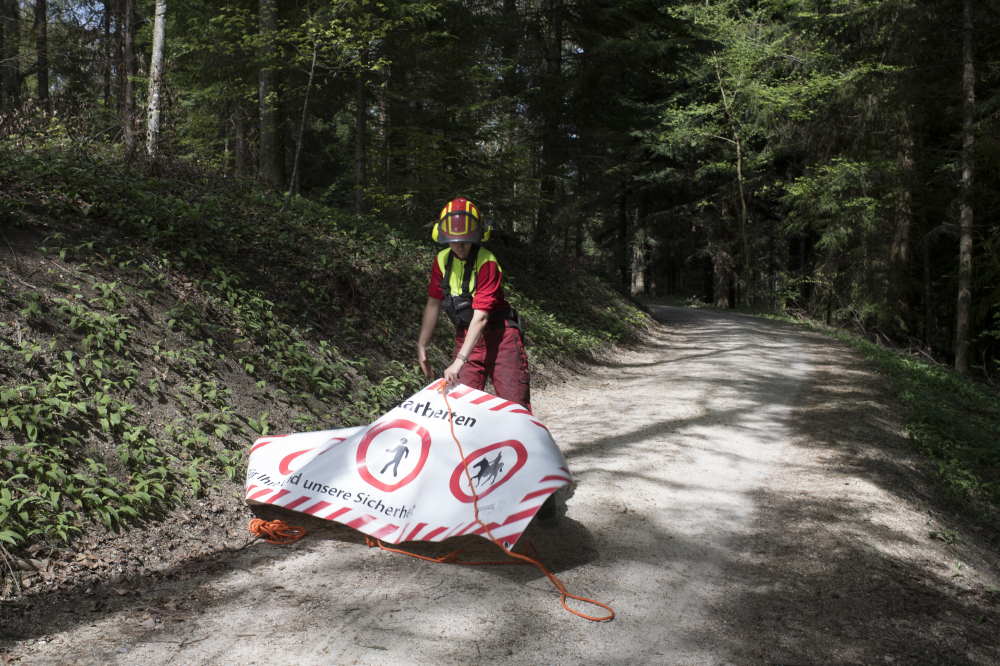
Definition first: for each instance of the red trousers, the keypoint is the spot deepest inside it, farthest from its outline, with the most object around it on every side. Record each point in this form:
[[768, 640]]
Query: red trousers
[[499, 355]]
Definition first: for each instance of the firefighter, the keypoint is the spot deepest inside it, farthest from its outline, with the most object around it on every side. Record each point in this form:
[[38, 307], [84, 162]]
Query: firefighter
[[466, 282]]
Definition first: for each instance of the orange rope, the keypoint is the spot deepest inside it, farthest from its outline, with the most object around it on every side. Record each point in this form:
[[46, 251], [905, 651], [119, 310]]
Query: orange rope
[[277, 532], [281, 533], [452, 557]]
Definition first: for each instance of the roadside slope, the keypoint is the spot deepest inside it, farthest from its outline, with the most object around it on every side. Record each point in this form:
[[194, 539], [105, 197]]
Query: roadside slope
[[156, 318]]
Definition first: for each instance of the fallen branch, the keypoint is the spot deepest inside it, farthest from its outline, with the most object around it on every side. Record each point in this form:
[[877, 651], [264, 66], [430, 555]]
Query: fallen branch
[[17, 262], [26, 284]]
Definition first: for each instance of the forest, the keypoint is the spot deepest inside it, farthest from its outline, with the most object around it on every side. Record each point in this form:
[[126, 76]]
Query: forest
[[752, 247], [832, 158]]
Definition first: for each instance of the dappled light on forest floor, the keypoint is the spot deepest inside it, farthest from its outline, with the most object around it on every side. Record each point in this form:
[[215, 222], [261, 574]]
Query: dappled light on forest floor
[[751, 503]]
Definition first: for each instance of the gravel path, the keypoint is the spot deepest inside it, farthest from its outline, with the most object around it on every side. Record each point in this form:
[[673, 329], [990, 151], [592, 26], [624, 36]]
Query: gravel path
[[744, 496]]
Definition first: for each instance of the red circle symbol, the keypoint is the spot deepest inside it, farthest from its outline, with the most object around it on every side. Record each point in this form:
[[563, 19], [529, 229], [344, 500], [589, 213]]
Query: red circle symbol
[[459, 473], [362, 454], [284, 467]]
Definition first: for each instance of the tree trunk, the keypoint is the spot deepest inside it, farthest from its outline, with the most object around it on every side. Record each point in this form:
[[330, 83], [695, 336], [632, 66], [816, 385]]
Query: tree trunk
[[271, 152], [640, 262], [156, 80], [640, 247], [578, 223], [128, 75], [624, 243], [360, 141], [965, 206], [930, 326], [397, 113], [3, 54], [294, 185], [241, 143], [42, 51], [722, 277], [551, 111], [10, 71], [385, 124], [737, 142], [510, 38], [900, 290], [743, 287], [108, 49]]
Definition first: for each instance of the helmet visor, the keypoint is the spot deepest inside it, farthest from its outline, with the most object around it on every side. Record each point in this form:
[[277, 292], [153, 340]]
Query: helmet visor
[[459, 227]]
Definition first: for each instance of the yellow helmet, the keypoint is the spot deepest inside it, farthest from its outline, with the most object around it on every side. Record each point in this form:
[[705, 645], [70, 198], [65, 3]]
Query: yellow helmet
[[460, 222]]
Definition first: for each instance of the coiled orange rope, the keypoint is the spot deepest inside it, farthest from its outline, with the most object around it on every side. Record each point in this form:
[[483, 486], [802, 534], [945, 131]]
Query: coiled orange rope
[[277, 532]]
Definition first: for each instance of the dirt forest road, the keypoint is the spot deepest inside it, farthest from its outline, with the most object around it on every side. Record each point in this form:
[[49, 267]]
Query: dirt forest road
[[745, 497]]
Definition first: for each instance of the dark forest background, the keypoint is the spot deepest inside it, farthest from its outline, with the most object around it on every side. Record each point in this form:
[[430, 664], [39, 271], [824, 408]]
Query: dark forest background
[[837, 158]]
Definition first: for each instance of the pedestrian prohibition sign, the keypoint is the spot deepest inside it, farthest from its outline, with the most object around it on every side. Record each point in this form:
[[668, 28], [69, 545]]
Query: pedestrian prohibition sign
[[402, 478]]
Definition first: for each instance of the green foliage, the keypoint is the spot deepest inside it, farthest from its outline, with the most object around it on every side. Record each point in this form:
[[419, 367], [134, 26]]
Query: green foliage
[[727, 148], [824, 124], [836, 200], [951, 419]]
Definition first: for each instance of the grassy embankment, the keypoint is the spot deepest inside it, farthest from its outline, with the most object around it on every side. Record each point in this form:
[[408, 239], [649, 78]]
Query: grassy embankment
[[151, 326], [952, 420]]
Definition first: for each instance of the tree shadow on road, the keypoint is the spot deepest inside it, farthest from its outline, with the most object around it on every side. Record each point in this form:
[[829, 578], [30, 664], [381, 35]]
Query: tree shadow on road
[[827, 577], [819, 577], [846, 598]]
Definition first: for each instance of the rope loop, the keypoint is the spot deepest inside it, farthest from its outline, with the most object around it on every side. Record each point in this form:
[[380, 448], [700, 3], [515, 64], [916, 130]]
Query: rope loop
[[277, 532], [523, 559]]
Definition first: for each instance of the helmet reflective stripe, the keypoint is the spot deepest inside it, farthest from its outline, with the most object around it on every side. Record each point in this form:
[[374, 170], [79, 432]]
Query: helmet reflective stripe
[[461, 205], [458, 224]]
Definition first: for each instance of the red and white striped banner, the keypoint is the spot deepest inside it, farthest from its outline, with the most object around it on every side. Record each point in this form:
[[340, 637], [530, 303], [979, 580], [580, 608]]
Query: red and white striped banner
[[402, 478]]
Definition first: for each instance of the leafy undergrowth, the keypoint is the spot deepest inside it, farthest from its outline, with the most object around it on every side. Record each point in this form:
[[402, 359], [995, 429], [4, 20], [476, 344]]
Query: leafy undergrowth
[[153, 323]]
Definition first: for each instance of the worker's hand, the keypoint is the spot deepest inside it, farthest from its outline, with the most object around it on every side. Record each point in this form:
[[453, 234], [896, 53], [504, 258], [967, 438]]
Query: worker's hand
[[451, 372], [425, 365]]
